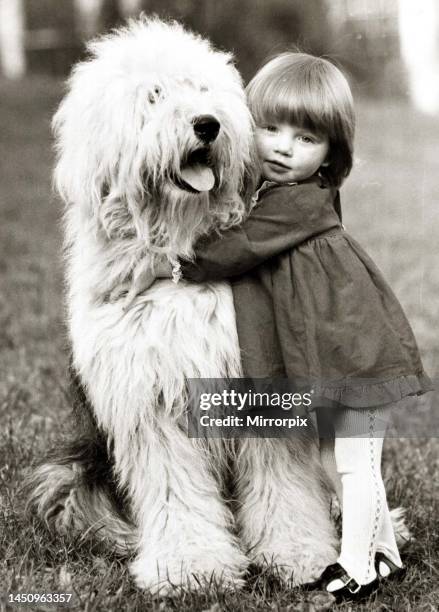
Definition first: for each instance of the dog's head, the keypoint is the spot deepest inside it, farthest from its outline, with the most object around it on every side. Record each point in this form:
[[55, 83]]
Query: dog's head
[[154, 135]]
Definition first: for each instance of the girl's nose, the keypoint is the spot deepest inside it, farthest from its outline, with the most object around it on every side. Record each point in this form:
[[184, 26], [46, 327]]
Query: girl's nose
[[284, 146]]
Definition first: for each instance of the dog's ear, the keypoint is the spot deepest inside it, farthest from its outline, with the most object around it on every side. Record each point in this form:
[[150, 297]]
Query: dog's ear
[[99, 166], [80, 174]]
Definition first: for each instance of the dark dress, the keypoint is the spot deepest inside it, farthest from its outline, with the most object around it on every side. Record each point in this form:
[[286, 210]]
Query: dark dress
[[310, 304]]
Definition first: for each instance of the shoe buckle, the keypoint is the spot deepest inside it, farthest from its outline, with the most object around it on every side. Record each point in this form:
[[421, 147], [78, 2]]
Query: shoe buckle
[[354, 588]]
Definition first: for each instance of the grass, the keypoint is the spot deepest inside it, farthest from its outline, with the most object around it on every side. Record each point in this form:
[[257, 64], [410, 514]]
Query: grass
[[391, 206]]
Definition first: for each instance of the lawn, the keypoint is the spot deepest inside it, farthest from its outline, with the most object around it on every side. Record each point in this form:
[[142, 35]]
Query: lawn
[[391, 205]]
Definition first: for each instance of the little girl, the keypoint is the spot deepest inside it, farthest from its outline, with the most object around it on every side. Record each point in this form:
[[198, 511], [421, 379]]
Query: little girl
[[312, 306]]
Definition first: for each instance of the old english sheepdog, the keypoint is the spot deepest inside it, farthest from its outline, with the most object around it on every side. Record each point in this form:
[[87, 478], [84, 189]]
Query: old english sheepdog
[[154, 143]]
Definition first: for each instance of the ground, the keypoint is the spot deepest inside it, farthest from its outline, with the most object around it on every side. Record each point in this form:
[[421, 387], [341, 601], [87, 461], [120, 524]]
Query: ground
[[391, 205]]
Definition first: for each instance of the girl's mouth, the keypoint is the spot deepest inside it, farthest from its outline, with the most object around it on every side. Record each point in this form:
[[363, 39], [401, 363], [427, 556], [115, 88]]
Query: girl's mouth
[[277, 165]]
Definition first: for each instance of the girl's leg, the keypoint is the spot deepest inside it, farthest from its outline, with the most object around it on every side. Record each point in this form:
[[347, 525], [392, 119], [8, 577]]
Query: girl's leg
[[386, 542], [366, 518], [325, 426]]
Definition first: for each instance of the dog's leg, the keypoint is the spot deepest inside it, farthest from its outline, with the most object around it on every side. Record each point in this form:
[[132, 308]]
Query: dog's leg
[[73, 491], [185, 535], [283, 507]]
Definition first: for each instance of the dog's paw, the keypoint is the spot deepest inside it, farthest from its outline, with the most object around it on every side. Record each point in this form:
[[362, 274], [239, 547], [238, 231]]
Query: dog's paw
[[163, 579], [296, 567], [293, 572]]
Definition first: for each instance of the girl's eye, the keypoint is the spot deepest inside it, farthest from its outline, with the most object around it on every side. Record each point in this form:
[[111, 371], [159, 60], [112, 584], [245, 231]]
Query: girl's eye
[[271, 128], [307, 139]]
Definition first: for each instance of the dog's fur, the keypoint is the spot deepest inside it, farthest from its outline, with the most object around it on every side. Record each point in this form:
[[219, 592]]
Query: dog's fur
[[124, 132]]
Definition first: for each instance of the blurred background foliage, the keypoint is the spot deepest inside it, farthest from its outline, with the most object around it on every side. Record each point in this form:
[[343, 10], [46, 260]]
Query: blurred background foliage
[[361, 35], [390, 49]]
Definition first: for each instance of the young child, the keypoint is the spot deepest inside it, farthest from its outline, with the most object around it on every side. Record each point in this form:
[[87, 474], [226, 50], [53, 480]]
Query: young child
[[312, 306]]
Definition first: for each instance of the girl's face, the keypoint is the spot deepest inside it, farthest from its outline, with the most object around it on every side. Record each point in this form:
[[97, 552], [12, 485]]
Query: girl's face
[[289, 153]]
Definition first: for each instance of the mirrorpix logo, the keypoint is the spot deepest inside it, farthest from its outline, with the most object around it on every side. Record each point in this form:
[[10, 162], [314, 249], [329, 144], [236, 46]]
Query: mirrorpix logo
[[242, 412]]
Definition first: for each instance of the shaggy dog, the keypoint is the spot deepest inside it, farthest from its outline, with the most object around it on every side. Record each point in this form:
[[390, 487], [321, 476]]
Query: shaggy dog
[[154, 142]]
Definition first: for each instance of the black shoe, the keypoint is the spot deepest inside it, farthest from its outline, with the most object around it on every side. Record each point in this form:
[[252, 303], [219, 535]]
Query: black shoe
[[350, 591], [391, 571]]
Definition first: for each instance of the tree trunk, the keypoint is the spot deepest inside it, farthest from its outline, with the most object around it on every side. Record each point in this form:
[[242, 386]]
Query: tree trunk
[[12, 55], [419, 35]]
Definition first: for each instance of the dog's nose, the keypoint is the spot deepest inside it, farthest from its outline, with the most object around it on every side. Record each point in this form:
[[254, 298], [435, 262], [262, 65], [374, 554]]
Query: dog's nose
[[206, 127]]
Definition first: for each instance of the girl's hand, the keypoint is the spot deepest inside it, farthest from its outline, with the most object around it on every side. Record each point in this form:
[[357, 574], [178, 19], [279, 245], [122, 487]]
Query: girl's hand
[[144, 276], [163, 268]]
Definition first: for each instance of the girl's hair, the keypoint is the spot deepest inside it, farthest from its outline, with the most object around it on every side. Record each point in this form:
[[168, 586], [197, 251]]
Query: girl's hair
[[313, 93]]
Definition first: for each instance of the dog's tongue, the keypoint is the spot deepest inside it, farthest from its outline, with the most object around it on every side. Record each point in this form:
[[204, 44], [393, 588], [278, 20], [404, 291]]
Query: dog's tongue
[[199, 177]]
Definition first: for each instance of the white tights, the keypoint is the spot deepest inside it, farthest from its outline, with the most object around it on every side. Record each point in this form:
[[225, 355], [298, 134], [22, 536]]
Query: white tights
[[351, 455]]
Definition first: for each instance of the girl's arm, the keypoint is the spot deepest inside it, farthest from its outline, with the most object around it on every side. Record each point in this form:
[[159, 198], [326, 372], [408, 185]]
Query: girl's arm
[[285, 217], [143, 277]]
